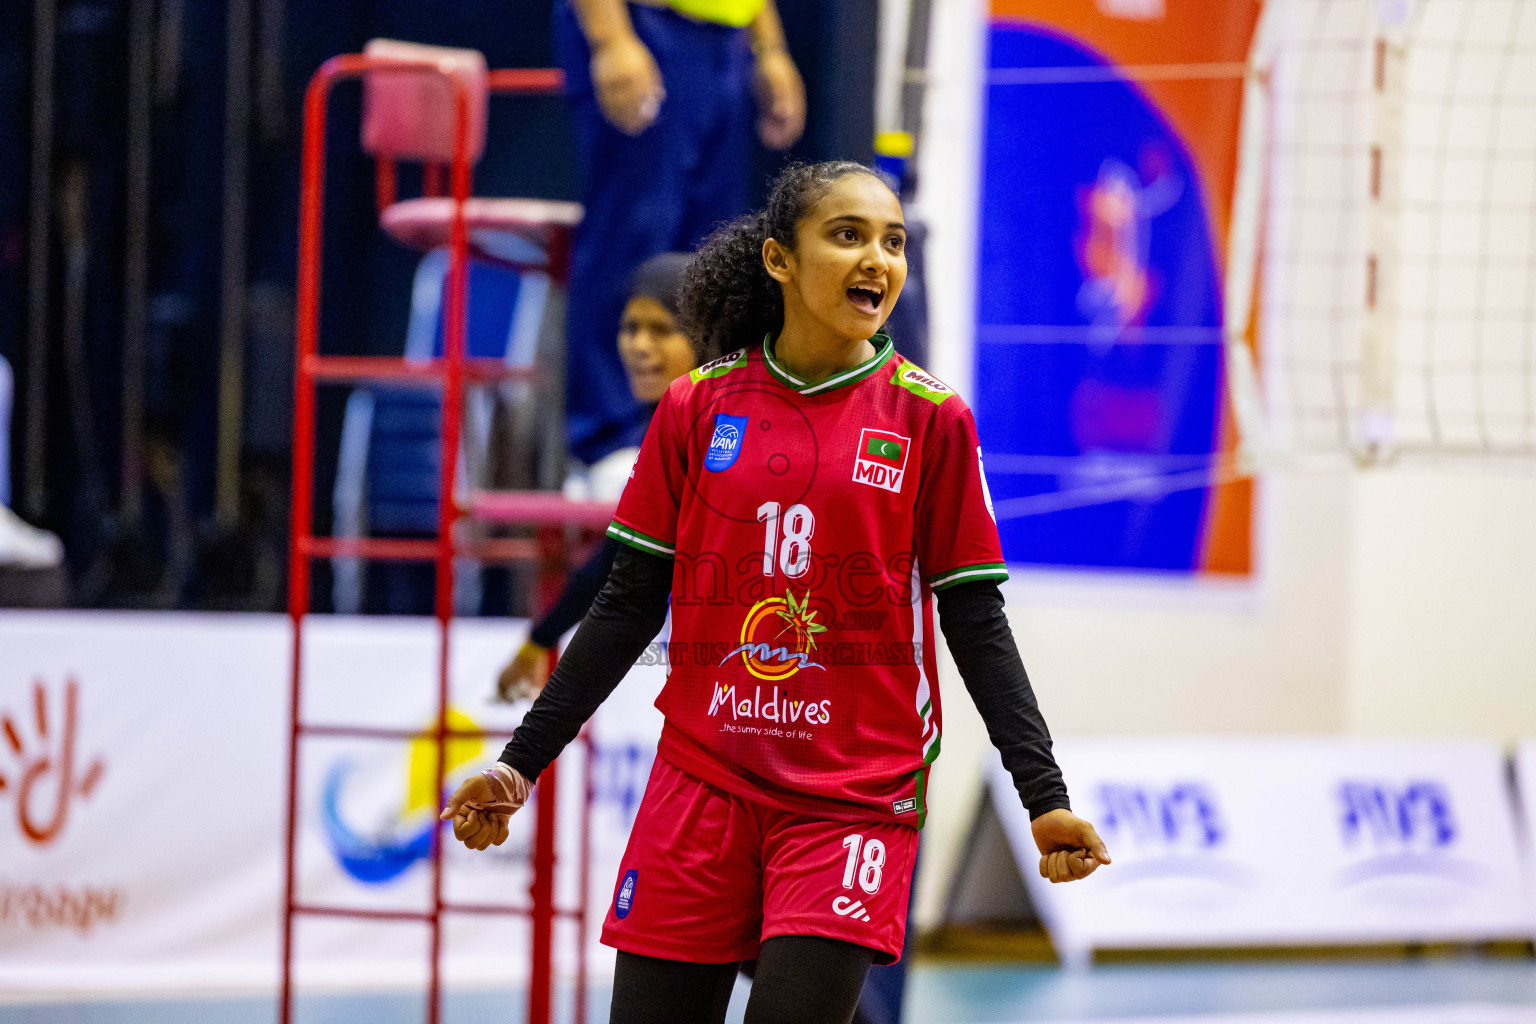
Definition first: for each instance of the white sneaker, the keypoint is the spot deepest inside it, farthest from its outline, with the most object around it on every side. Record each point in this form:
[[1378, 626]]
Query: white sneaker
[[27, 547]]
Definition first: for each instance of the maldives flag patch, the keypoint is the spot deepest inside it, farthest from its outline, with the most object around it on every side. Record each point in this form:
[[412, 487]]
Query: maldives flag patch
[[881, 459]]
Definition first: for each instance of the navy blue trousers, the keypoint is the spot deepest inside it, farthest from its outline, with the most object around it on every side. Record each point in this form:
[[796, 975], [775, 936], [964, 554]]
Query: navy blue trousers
[[660, 191]]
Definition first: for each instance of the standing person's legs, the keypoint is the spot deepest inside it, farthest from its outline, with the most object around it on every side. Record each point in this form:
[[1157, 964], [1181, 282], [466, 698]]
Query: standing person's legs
[[649, 990], [631, 190], [634, 190], [726, 141], [638, 192], [807, 979]]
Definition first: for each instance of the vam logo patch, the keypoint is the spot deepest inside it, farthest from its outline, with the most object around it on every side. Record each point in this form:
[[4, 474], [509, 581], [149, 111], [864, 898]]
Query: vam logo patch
[[725, 442], [881, 459]]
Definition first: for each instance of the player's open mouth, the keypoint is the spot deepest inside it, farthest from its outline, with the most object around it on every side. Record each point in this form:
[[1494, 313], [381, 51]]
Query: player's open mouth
[[865, 298]]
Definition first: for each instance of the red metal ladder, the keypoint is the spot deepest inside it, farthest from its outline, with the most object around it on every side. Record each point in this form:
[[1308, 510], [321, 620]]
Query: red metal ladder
[[452, 372]]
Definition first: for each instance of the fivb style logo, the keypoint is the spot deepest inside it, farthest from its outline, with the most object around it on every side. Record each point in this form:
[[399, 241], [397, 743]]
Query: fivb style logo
[[1186, 815], [725, 442], [881, 459], [1415, 817], [1172, 831], [1407, 830]]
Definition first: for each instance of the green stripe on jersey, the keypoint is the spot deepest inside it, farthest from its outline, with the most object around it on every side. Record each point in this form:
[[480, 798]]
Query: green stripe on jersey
[[640, 541], [883, 345], [930, 747], [965, 573], [922, 797]]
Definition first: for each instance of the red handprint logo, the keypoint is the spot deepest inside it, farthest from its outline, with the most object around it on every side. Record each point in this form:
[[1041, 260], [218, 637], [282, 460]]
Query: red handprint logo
[[46, 761]]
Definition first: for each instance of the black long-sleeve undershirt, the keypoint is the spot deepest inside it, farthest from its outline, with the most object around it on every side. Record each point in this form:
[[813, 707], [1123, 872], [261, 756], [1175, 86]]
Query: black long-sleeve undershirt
[[981, 641], [631, 607], [626, 615]]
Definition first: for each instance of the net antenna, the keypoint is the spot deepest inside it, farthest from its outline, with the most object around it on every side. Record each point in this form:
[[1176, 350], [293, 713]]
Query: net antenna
[[1375, 433]]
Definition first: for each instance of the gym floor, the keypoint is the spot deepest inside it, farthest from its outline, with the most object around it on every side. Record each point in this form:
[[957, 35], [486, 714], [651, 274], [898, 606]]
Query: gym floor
[[1451, 990]]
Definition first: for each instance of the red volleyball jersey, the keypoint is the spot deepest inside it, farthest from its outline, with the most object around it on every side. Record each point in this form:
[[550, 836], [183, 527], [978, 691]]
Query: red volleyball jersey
[[809, 524]]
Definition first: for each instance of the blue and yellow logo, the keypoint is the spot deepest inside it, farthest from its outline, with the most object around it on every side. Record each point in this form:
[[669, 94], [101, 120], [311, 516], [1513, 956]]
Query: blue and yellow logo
[[402, 836]]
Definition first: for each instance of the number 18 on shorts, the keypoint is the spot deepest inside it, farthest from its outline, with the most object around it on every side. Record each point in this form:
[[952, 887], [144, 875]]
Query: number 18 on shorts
[[708, 875], [867, 869]]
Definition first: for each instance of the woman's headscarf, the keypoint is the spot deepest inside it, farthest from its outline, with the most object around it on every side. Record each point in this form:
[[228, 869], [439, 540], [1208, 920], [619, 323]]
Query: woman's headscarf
[[658, 277]]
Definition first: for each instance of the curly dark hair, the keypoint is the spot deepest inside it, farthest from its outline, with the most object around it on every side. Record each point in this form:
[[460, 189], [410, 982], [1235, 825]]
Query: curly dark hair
[[726, 299]]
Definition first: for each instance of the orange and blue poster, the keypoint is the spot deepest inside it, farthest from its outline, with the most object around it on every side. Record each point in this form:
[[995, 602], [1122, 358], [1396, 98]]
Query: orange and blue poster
[[1109, 161]]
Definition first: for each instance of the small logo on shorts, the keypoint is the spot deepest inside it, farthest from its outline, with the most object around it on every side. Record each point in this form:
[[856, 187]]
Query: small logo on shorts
[[626, 897], [904, 806], [854, 909], [725, 442]]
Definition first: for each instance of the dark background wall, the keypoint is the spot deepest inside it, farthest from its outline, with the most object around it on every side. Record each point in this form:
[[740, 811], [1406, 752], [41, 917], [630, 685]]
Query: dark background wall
[[175, 556]]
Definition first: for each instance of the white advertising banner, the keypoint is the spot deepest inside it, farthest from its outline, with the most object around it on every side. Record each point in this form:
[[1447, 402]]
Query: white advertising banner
[[142, 781], [1260, 841], [1525, 786]]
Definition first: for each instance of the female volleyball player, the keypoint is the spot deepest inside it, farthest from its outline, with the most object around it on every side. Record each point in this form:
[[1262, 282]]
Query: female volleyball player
[[799, 499]]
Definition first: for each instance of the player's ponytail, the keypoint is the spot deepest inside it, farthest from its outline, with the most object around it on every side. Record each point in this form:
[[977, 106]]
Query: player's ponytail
[[727, 300]]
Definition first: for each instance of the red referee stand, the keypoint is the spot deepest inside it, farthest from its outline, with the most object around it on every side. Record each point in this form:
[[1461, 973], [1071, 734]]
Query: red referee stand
[[459, 136]]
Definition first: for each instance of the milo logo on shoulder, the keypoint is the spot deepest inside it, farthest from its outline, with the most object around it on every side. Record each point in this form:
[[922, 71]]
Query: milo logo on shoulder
[[719, 367], [921, 383]]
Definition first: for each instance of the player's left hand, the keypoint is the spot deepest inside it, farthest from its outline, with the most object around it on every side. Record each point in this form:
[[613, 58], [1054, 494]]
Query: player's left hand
[[780, 100], [480, 829], [482, 806], [1069, 847]]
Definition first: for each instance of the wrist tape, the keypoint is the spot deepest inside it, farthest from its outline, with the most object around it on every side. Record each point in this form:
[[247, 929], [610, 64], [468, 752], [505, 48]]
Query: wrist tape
[[509, 790]]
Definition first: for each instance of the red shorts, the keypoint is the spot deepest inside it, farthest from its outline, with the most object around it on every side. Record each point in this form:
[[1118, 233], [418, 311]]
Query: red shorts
[[707, 876]]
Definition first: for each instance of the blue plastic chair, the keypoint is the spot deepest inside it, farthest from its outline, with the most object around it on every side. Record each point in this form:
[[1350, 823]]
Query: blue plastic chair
[[390, 456]]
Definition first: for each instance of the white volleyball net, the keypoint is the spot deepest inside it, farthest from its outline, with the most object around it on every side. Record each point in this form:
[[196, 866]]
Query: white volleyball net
[[1390, 156]]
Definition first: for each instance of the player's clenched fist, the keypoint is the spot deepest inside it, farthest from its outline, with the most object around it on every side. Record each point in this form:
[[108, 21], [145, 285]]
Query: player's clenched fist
[[1069, 847], [482, 806], [479, 829]]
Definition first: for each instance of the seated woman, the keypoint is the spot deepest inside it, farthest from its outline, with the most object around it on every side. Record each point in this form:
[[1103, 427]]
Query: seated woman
[[655, 352]]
